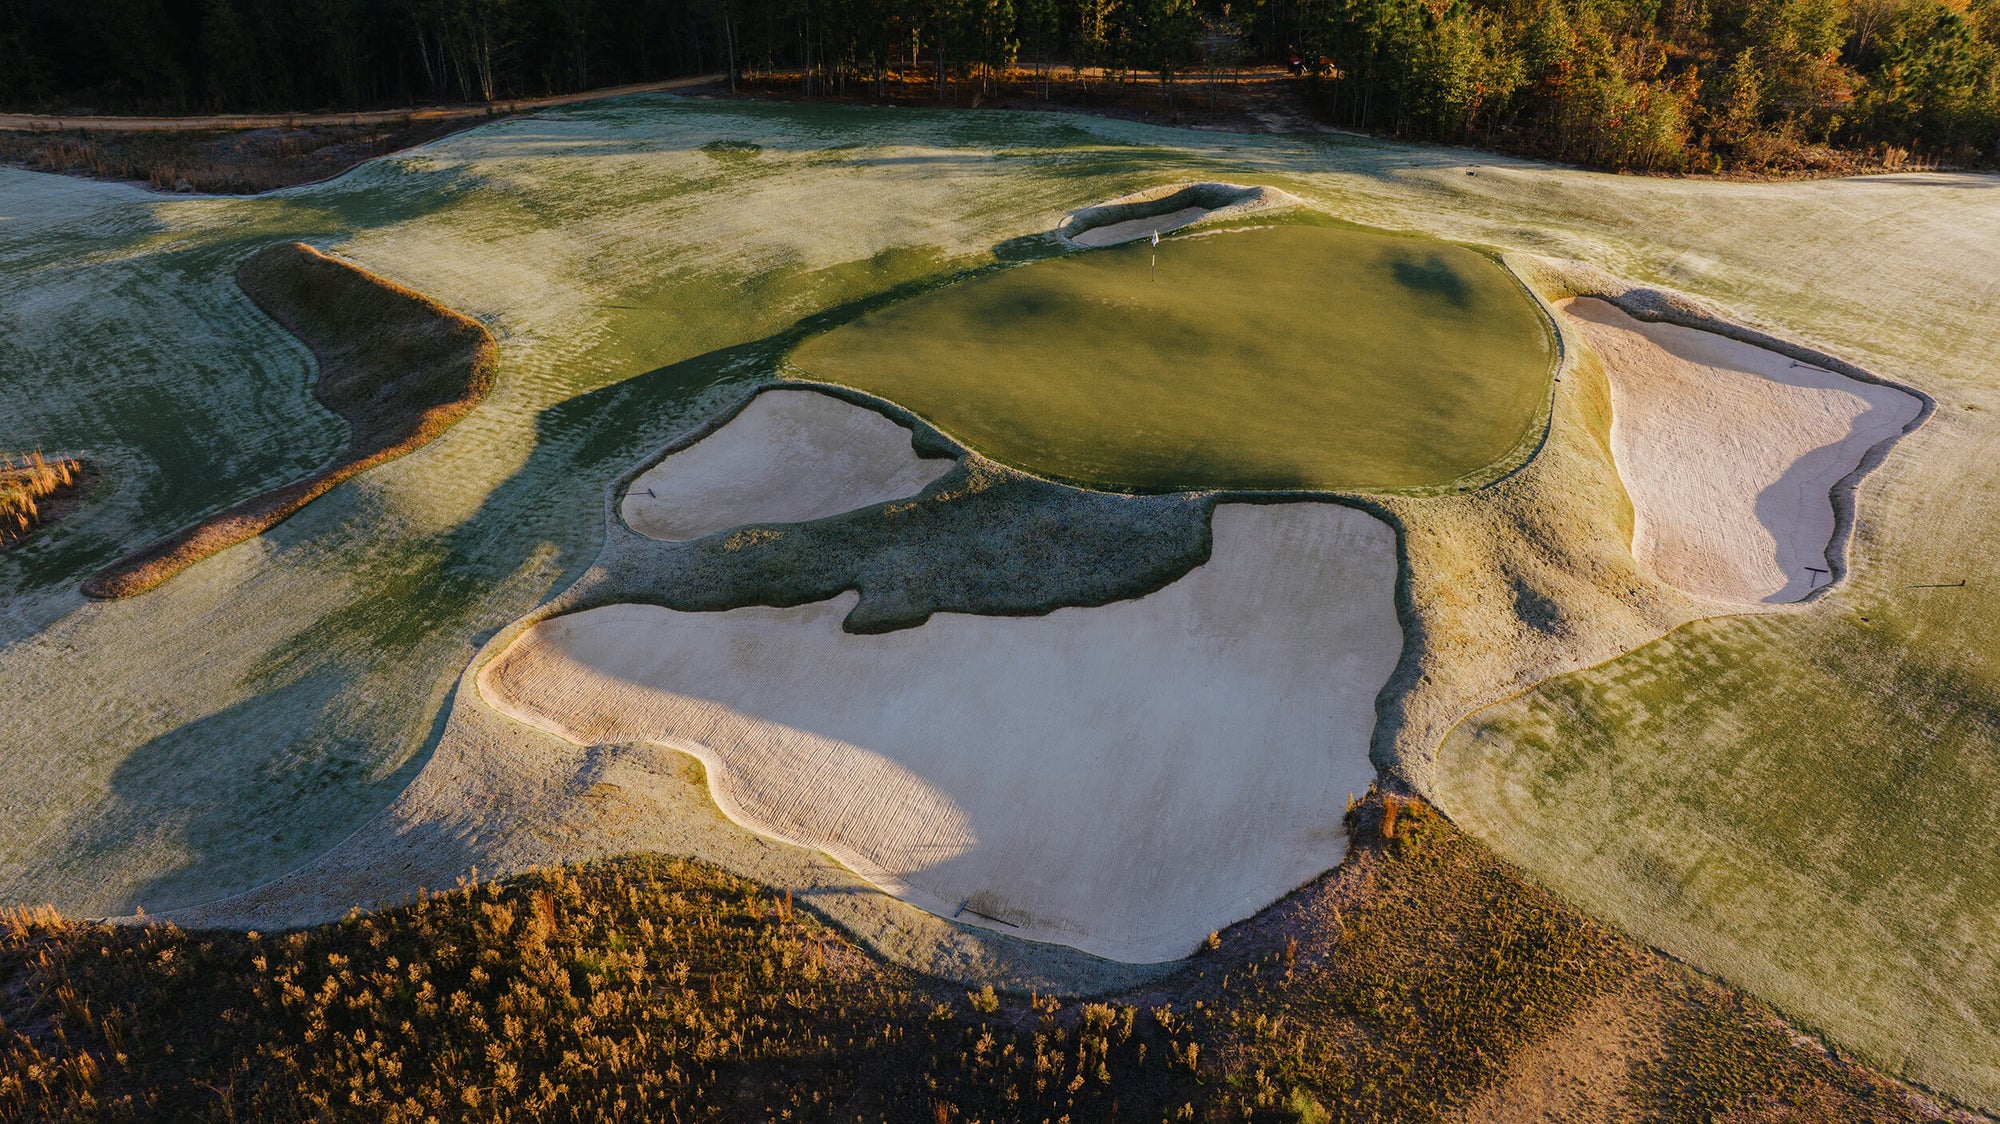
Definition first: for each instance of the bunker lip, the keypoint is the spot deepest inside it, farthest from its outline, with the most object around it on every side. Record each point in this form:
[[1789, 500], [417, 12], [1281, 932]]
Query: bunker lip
[[1568, 278], [398, 367], [791, 454], [1163, 209], [1083, 741], [1731, 452]]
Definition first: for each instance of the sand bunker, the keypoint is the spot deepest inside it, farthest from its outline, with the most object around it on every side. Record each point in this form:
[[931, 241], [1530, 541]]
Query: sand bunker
[[789, 456], [1139, 228], [1164, 209], [1731, 452], [1123, 779]]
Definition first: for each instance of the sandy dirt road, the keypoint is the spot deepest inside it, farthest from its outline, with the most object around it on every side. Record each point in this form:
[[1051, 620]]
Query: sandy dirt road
[[22, 122]]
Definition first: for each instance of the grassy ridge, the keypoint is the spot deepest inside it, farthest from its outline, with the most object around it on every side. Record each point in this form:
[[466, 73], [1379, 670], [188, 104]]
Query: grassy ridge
[[1419, 982], [398, 367]]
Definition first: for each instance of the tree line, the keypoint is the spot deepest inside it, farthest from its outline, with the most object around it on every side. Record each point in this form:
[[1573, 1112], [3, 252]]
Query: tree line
[[1654, 84]]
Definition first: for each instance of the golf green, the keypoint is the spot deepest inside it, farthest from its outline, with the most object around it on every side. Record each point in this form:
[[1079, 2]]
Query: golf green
[[1277, 357]]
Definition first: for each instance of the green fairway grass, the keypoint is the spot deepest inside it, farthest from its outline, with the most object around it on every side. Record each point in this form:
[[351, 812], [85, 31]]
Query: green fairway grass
[[1276, 357]]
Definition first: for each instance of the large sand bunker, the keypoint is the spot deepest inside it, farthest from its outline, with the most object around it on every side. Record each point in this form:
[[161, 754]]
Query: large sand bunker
[[1123, 779], [788, 457], [1731, 452]]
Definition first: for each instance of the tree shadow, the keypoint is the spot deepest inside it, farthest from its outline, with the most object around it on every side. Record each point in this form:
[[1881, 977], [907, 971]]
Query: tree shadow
[[230, 789], [1432, 276]]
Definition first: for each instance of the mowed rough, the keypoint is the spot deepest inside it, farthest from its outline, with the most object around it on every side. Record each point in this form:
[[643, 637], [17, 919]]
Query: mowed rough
[[1730, 453], [1291, 356], [787, 457], [1123, 779]]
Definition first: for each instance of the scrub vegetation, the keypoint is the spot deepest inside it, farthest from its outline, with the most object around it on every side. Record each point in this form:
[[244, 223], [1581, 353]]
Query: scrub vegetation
[[1418, 983], [1103, 369], [396, 366], [27, 485], [221, 161]]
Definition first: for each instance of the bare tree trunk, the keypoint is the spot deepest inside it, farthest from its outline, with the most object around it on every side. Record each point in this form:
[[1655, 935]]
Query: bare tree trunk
[[729, 36]]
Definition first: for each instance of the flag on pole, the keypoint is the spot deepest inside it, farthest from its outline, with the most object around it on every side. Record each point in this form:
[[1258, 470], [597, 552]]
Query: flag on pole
[[1155, 267], [1156, 238]]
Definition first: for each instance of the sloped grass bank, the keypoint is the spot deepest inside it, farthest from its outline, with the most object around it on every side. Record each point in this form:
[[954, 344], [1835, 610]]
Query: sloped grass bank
[[398, 367]]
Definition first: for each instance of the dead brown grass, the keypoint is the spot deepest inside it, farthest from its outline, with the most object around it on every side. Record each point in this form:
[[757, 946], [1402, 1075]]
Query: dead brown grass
[[27, 484], [398, 367], [219, 161], [1424, 981]]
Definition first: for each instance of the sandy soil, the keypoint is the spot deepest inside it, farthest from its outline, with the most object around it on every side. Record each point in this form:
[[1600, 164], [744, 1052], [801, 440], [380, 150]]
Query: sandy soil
[[93, 122], [1731, 453], [1132, 229], [790, 456], [1583, 1073], [1123, 779]]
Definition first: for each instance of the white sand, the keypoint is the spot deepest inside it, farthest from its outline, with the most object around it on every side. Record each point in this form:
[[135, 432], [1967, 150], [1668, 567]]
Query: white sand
[[789, 456], [1730, 453], [1123, 779], [1133, 229]]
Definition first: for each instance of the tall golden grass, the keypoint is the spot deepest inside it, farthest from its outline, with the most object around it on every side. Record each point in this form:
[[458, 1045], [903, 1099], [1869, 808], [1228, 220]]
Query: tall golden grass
[[1422, 973], [25, 482]]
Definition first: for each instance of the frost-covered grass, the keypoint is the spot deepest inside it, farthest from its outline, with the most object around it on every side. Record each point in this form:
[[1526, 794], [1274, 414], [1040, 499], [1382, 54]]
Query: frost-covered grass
[[1805, 804]]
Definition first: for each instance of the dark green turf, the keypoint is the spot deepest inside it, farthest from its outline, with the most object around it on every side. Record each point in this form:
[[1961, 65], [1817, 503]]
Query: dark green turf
[[1281, 357]]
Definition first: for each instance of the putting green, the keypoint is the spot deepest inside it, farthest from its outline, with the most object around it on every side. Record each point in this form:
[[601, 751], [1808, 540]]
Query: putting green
[[1278, 357]]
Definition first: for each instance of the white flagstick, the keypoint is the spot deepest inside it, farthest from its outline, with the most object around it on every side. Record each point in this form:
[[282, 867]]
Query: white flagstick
[[1156, 255]]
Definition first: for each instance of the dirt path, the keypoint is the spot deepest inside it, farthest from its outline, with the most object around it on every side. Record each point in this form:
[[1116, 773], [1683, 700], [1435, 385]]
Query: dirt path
[[32, 121]]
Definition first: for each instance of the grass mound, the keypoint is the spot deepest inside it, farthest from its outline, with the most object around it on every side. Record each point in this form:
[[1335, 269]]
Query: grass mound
[[398, 367], [26, 486], [981, 539], [1293, 356], [1423, 978]]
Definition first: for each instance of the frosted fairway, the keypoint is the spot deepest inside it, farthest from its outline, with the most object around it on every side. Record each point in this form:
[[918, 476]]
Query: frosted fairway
[[789, 456], [1122, 779], [1730, 453]]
